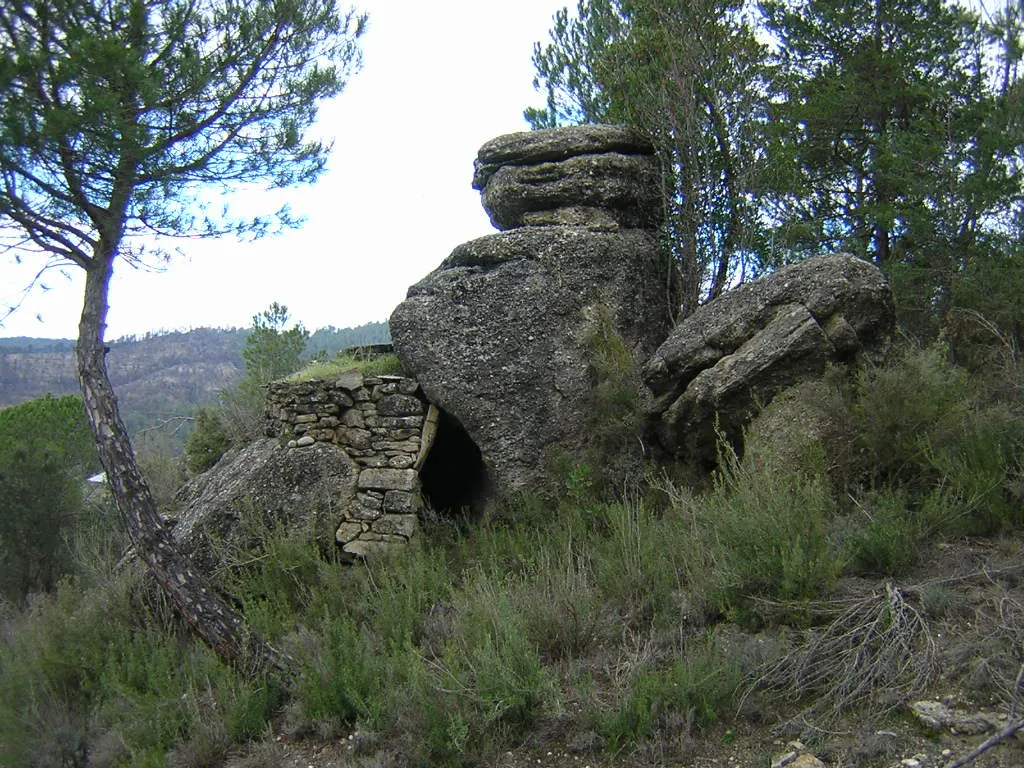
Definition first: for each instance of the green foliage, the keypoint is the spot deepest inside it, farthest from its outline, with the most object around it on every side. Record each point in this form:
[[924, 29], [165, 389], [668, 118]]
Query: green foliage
[[89, 672], [927, 427], [694, 689], [133, 108], [884, 534], [271, 353], [46, 452], [891, 130], [764, 532], [691, 76], [207, 443]]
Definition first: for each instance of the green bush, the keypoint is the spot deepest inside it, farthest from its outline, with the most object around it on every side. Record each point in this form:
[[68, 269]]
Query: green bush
[[87, 669], [695, 688], [207, 443], [883, 534], [763, 531], [930, 428], [46, 453]]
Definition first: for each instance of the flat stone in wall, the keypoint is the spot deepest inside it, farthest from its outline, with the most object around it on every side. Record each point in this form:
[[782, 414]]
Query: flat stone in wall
[[386, 426]]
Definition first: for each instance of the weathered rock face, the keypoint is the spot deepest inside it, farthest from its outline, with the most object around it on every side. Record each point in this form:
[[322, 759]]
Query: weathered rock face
[[497, 335], [261, 485], [731, 356], [602, 177]]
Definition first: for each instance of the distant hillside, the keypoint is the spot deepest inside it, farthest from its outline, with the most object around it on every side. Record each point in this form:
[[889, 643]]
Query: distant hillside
[[157, 376]]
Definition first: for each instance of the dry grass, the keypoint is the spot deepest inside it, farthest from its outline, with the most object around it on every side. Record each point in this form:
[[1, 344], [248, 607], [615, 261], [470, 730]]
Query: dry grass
[[880, 643]]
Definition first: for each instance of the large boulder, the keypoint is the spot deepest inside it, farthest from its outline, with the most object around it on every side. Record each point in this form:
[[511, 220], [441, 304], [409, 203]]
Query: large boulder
[[500, 335], [730, 357], [265, 486], [599, 176]]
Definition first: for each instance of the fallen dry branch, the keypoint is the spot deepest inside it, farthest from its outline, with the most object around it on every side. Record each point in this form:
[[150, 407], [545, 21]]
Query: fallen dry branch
[[878, 644], [1007, 733]]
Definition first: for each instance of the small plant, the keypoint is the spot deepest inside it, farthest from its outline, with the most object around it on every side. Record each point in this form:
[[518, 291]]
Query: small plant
[[383, 365], [764, 532], [695, 688], [208, 442], [928, 429], [884, 534]]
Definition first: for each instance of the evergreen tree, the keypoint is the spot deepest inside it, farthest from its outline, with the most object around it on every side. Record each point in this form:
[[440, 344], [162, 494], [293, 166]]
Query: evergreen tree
[[692, 77], [115, 119], [897, 128], [272, 352], [46, 453]]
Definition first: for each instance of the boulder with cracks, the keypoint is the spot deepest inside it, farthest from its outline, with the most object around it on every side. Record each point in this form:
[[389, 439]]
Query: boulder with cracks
[[728, 359]]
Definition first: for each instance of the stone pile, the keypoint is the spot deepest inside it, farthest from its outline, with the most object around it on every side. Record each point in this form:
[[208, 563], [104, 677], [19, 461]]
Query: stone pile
[[498, 335], [385, 425]]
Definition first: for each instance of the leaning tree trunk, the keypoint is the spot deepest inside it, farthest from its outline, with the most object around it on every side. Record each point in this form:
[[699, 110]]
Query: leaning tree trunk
[[213, 619]]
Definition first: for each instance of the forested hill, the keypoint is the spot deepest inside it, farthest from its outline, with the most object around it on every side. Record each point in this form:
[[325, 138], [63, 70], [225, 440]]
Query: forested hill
[[156, 376]]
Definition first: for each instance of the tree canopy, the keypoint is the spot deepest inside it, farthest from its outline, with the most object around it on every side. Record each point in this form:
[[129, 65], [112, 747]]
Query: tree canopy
[[892, 129], [117, 120]]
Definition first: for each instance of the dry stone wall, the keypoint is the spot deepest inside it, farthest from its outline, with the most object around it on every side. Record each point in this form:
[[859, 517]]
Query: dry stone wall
[[385, 425]]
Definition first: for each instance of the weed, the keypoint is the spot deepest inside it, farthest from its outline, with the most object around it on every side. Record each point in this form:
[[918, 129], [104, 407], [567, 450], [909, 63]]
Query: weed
[[927, 428], [763, 533], [695, 688], [326, 369], [883, 534]]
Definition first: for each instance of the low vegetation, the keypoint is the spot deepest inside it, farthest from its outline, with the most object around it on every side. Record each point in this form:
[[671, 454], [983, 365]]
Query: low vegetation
[[628, 625], [375, 365]]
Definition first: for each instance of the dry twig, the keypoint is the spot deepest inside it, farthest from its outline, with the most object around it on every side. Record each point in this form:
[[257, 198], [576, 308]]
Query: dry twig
[[877, 643]]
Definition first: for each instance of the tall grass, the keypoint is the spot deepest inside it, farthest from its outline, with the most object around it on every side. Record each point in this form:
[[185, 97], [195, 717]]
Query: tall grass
[[600, 612]]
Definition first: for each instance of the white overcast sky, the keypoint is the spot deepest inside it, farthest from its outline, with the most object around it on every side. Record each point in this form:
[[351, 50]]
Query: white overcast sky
[[439, 79]]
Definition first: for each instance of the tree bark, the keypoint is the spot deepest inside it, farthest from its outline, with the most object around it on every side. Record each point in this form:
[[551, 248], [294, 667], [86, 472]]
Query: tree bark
[[208, 614]]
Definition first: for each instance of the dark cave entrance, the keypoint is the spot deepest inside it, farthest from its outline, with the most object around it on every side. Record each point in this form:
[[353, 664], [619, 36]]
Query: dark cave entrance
[[453, 477]]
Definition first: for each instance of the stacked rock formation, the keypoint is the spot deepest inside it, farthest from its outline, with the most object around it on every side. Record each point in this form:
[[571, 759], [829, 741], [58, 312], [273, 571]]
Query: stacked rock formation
[[597, 176], [385, 426], [497, 335], [728, 359]]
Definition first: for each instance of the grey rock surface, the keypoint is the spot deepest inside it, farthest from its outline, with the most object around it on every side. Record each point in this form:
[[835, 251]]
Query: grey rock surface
[[605, 191], [554, 144], [261, 485], [730, 357], [603, 177], [497, 335]]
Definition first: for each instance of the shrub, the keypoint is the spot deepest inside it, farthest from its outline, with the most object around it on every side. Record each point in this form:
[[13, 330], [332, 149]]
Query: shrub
[[883, 534], [208, 442], [927, 427], [693, 689], [763, 531]]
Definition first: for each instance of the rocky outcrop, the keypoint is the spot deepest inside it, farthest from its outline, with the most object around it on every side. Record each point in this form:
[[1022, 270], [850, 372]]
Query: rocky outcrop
[[261, 488], [497, 335], [730, 357], [597, 176], [342, 463]]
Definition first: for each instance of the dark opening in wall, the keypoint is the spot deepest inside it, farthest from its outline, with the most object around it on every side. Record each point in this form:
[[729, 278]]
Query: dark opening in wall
[[453, 477]]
